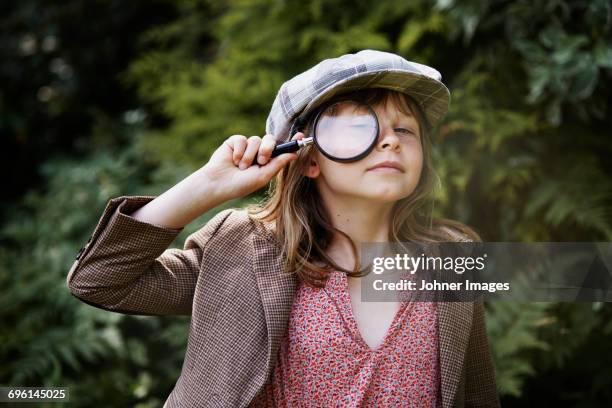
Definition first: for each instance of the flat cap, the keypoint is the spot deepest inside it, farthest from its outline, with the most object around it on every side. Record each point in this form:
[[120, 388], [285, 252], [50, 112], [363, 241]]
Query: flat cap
[[368, 68]]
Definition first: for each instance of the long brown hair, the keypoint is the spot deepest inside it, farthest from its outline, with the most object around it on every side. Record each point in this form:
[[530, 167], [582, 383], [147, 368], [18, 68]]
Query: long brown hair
[[303, 226]]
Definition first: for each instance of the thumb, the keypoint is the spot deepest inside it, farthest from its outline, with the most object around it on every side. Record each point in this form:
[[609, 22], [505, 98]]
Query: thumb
[[277, 163]]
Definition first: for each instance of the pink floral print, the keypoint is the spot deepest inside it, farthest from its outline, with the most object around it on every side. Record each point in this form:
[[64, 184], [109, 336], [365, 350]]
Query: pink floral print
[[324, 361]]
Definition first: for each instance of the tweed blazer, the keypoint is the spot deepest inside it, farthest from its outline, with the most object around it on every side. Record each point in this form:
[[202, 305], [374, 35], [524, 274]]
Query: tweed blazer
[[229, 278]]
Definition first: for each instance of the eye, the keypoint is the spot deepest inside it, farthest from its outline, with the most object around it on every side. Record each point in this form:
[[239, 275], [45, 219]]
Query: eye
[[404, 130]]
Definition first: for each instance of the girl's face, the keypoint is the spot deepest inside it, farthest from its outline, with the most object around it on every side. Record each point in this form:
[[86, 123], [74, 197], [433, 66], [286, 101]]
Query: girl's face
[[398, 141]]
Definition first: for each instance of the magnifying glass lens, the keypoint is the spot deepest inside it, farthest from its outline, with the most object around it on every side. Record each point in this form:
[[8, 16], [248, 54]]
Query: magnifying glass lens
[[346, 129]]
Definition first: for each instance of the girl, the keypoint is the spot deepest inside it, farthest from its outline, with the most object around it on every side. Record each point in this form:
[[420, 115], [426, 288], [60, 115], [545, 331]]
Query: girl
[[274, 289]]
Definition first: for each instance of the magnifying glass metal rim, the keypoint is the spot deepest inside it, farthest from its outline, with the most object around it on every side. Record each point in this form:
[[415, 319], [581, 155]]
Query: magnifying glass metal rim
[[295, 145]]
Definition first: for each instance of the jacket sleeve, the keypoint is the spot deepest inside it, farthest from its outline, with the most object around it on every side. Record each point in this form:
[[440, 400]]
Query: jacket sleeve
[[127, 267], [480, 382]]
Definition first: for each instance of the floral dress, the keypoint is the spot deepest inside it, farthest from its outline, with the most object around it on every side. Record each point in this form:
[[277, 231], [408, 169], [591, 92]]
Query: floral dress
[[323, 360]]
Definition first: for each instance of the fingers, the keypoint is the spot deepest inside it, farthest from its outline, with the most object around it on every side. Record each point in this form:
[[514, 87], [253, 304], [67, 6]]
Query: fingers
[[243, 149], [251, 151], [246, 150], [238, 143], [268, 143], [298, 136]]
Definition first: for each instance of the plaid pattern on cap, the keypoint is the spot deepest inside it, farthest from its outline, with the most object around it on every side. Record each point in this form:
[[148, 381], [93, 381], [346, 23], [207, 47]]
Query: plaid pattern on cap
[[365, 69]]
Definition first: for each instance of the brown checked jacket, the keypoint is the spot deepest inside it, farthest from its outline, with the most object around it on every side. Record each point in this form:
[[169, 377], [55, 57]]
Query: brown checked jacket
[[228, 278]]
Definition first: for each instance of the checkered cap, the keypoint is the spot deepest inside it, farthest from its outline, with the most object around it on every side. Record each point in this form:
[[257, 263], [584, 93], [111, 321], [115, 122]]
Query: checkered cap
[[365, 69]]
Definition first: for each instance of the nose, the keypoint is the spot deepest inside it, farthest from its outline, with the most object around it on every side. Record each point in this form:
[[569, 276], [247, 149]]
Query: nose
[[387, 138]]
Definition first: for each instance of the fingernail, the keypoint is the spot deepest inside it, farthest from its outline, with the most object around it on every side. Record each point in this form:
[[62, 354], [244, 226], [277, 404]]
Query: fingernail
[[242, 165]]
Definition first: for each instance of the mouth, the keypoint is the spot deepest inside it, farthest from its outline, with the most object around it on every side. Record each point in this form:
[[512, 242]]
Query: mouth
[[387, 166]]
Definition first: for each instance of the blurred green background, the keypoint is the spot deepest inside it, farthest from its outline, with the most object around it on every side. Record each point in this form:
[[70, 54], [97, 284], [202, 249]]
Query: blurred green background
[[106, 98]]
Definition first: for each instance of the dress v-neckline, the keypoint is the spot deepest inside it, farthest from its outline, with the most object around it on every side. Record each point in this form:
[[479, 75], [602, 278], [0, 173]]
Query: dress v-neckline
[[347, 313]]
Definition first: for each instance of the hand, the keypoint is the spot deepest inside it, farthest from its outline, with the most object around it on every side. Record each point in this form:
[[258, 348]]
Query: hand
[[230, 171]]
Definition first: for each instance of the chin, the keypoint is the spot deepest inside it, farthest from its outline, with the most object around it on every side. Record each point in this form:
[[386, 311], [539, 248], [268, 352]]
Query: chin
[[387, 195], [388, 191]]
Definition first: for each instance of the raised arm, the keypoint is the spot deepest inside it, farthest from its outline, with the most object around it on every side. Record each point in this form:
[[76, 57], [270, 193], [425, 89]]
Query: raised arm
[[127, 267]]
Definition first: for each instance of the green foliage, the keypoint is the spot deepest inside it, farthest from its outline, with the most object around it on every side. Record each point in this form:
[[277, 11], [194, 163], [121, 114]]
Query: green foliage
[[59, 66], [512, 330], [563, 61]]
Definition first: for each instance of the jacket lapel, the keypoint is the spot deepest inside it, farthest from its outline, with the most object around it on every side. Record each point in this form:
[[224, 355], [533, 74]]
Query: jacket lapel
[[277, 292], [455, 322]]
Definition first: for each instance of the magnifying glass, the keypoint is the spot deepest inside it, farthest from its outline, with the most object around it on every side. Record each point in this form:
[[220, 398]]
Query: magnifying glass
[[344, 131]]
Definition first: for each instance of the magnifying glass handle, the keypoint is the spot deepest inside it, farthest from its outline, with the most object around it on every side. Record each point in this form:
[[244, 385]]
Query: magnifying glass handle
[[288, 147]]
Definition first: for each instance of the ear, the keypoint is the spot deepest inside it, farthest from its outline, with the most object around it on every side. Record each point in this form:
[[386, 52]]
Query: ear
[[313, 170]]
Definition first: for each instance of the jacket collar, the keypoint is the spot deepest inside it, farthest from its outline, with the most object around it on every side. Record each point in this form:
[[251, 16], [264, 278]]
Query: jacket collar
[[277, 292]]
